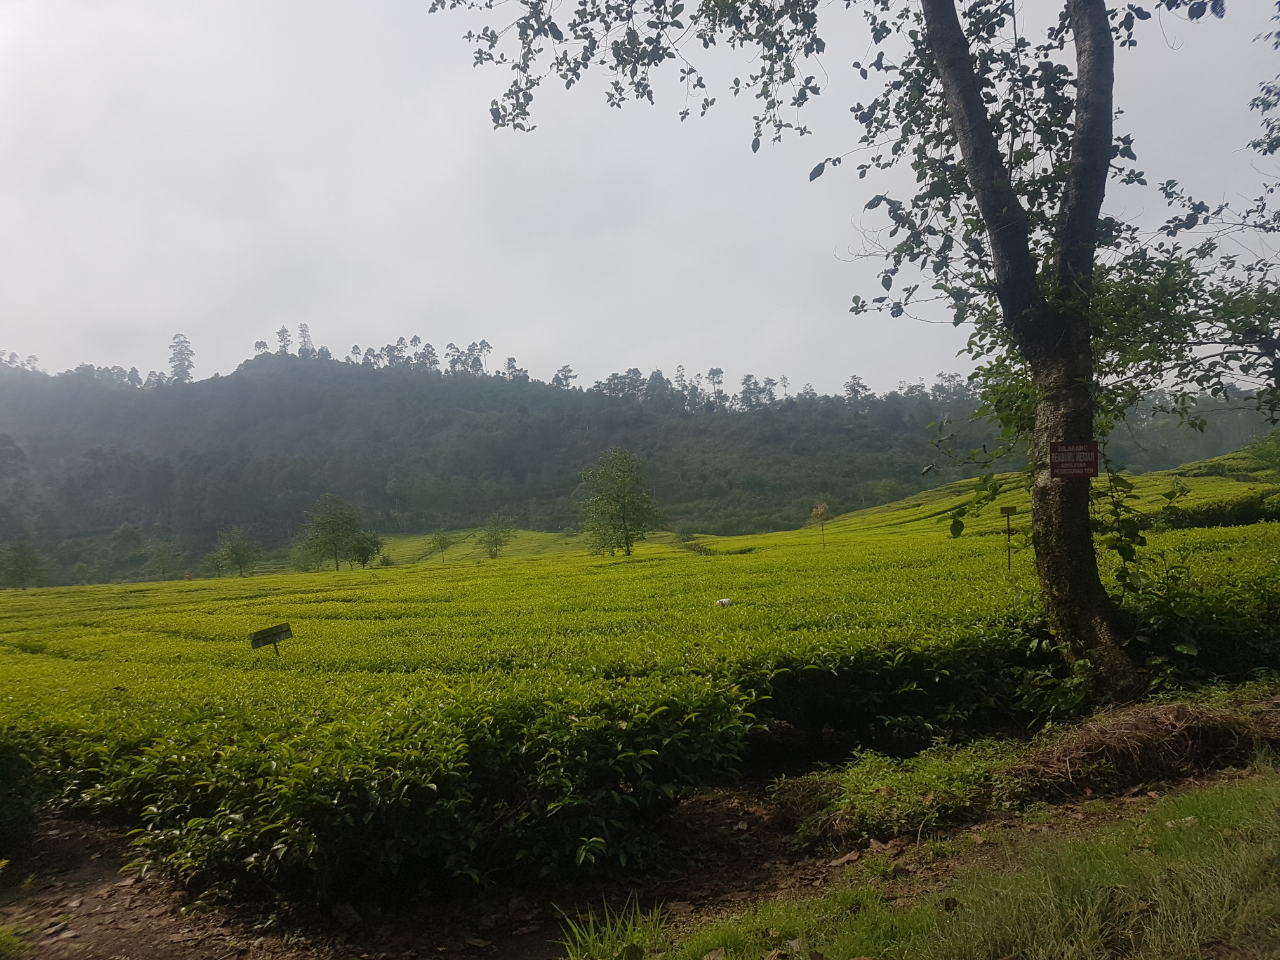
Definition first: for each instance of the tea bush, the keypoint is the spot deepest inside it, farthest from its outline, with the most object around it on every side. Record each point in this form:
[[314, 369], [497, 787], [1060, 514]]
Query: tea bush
[[536, 713]]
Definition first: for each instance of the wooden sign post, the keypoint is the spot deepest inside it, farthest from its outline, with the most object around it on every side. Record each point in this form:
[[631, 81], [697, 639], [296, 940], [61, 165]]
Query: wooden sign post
[[272, 636], [1009, 513]]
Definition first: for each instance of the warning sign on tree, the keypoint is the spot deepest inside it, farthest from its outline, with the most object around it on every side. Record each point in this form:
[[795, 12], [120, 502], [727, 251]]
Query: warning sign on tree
[[1073, 461]]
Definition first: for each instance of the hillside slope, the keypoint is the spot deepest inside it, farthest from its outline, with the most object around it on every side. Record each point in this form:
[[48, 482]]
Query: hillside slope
[[86, 451]]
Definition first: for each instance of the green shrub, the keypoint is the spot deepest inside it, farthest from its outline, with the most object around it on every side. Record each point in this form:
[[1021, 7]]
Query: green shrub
[[472, 782], [1246, 507]]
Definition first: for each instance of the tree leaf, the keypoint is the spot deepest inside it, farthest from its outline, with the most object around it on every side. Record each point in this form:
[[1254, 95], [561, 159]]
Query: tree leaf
[[817, 171]]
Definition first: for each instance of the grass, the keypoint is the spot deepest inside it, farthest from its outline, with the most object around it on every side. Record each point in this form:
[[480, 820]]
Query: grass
[[879, 798], [534, 713], [1199, 868], [875, 797]]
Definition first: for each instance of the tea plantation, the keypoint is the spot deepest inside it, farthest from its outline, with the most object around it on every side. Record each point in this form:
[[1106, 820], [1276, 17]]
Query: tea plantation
[[438, 719]]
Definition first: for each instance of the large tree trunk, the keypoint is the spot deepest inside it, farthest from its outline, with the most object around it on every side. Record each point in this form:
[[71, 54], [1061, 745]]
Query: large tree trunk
[[1079, 609], [1052, 333]]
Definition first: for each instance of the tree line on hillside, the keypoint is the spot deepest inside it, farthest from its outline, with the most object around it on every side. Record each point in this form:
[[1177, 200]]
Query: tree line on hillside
[[617, 513], [692, 392], [92, 459]]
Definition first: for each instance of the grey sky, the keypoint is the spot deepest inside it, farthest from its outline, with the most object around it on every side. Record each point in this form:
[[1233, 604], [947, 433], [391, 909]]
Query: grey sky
[[223, 168]]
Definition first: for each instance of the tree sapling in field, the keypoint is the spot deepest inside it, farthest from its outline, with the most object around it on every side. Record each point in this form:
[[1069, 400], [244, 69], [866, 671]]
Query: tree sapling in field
[[441, 541], [497, 533], [618, 511], [820, 517]]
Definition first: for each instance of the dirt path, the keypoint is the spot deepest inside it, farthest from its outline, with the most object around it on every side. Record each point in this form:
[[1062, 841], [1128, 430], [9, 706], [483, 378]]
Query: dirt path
[[75, 899]]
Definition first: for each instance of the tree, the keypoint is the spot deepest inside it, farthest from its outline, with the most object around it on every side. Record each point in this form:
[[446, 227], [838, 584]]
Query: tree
[[305, 555], [125, 543], [497, 533], [163, 558], [617, 512], [364, 546], [182, 359], [215, 561], [821, 516], [22, 565], [1012, 146], [284, 340], [441, 541], [330, 530], [235, 551]]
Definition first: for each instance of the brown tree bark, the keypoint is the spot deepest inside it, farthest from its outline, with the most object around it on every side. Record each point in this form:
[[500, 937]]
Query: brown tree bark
[[1052, 332]]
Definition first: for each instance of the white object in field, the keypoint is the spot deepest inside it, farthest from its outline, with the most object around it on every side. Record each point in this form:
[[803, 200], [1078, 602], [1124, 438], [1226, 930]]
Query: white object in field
[[726, 602]]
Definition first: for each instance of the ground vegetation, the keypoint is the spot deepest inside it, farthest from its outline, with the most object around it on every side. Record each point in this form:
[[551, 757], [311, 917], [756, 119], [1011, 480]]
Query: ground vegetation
[[543, 711]]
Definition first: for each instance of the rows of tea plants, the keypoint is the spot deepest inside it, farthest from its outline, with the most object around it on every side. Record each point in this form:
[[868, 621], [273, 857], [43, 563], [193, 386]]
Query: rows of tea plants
[[535, 713]]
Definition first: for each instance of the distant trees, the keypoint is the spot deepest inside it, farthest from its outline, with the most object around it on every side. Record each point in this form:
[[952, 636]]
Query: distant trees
[[497, 533], [472, 360], [333, 531], [235, 551], [421, 450], [22, 565], [216, 562], [330, 528], [617, 512], [163, 558], [305, 555], [514, 373], [182, 359], [126, 542]]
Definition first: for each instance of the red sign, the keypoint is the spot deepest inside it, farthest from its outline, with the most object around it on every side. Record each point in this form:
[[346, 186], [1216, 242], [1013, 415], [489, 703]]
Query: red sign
[[1073, 461]]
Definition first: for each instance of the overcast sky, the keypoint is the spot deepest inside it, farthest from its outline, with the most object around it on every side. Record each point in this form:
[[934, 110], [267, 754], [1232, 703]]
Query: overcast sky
[[225, 167]]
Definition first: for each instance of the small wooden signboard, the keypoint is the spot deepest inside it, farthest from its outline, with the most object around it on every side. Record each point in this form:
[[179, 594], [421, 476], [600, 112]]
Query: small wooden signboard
[[272, 636], [1073, 461], [1009, 511]]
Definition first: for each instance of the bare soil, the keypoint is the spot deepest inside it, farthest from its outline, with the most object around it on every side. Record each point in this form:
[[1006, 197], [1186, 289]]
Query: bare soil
[[76, 897]]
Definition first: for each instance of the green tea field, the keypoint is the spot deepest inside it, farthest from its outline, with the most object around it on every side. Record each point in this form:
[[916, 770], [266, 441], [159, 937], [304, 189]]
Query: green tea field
[[467, 717]]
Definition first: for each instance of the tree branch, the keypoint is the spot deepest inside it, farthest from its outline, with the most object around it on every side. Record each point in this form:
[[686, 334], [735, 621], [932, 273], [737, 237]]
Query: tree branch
[[1091, 146], [1002, 211]]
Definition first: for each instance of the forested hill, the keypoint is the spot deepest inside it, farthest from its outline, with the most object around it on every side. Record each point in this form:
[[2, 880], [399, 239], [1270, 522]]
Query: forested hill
[[418, 448]]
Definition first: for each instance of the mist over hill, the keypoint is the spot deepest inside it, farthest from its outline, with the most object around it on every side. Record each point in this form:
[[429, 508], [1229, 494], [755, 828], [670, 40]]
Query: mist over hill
[[417, 447]]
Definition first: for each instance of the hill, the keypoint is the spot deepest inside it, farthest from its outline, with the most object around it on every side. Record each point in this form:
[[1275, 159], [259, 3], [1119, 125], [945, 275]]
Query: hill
[[417, 448]]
